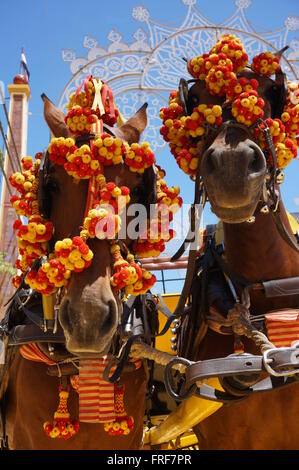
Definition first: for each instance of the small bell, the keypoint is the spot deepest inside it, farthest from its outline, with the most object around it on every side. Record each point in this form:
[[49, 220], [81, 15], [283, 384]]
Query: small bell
[[265, 210], [280, 177]]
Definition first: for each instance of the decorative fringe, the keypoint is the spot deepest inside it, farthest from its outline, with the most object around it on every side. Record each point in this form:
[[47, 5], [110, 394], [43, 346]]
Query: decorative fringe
[[219, 69], [123, 423], [90, 106], [62, 427]]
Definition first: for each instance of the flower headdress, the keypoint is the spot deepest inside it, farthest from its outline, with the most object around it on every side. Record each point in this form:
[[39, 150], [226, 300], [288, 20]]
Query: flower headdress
[[219, 69], [88, 108]]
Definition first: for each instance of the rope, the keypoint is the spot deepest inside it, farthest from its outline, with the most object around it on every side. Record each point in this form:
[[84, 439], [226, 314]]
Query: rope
[[242, 326], [144, 351]]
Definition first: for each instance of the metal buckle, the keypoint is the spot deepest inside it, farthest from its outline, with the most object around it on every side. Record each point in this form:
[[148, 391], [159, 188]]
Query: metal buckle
[[294, 357], [4, 443], [168, 380], [55, 325]]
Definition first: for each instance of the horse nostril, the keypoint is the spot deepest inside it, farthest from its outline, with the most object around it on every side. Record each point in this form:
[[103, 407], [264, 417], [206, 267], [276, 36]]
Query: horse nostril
[[110, 319], [65, 315], [256, 163], [210, 161]]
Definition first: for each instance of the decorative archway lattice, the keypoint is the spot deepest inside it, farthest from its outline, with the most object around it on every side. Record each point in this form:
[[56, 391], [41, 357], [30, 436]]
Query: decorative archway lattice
[[151, 66]]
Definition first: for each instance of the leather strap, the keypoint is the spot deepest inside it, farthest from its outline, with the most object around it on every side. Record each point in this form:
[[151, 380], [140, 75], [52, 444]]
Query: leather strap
[[194, 231], [194, 227], [279, 360], [72, 368], [59, 370], [127, 310], [237, 279], [266, 385], [3, 438], [285, 234], [119, 362], [23, 334], [33, 317], [282, 287]]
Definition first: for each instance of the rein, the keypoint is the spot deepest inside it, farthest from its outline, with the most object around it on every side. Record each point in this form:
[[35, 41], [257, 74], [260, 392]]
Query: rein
[[274, 208], [231, 366]]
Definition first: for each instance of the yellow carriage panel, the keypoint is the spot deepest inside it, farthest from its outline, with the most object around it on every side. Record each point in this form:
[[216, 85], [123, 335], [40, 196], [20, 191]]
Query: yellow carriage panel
[[163, 343]]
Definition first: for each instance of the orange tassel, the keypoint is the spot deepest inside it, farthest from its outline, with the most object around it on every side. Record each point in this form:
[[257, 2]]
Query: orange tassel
[[123, 423], [62, 427]]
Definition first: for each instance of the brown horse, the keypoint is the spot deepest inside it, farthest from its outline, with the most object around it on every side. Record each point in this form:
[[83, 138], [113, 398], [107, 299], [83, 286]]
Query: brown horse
[[89, 313], [233, 169]]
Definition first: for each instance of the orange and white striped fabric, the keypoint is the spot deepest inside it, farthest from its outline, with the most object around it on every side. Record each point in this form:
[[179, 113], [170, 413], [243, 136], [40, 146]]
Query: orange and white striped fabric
[[283, 326], [96, 397], [31, 352]]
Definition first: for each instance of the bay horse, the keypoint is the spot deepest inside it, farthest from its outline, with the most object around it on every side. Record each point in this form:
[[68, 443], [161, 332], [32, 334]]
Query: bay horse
[[233, 169], [89, 312]]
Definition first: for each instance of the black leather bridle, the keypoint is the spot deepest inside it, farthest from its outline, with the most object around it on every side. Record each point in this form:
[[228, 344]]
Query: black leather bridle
[[270, 198]]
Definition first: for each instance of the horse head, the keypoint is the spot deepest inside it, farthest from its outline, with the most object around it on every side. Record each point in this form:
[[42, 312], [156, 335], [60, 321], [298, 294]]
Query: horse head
[[233, 165], [90, 309]]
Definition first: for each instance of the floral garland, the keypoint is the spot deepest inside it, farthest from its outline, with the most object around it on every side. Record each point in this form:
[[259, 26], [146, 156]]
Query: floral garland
[[88, 108], [86, 162], [93, 99], [219, 68]]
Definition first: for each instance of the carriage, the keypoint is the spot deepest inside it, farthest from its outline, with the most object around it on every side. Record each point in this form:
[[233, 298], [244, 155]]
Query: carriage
[[214, 340]]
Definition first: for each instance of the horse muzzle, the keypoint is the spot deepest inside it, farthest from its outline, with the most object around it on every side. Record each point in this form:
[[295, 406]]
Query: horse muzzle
[[88, 327], [234, 178]]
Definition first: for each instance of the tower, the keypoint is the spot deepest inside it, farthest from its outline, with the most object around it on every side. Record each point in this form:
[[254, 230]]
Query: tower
[[19, 92]]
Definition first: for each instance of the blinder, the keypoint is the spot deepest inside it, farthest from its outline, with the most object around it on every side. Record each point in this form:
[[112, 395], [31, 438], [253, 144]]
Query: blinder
[[184, 94], [43, 197], [279, 94], [150, 181], [149, 176]]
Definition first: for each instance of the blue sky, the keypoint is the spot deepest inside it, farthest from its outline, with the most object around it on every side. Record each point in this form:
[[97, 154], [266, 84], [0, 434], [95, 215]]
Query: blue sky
[[45, 27]]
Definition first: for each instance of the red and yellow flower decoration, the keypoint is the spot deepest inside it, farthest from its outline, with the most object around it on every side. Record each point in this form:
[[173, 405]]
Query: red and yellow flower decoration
[[219, 69], [265, 64], [93, 100]]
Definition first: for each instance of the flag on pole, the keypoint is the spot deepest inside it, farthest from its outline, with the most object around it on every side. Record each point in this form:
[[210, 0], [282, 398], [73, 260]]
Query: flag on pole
[[24, 65]]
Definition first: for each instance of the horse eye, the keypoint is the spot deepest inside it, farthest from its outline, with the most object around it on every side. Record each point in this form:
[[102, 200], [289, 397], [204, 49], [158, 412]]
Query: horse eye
[[52, 185], [137, 192], [195, 99]]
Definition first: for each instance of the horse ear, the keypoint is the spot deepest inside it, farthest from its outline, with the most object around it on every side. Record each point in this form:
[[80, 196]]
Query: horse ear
[[133, 128], [54, 118], [279, 54], [183, 93], [279, 94]]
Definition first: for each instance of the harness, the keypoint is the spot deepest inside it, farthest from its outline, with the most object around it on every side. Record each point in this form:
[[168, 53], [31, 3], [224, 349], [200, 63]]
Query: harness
[[280, 364], [33, 318], [239, 374], [214, 289]]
